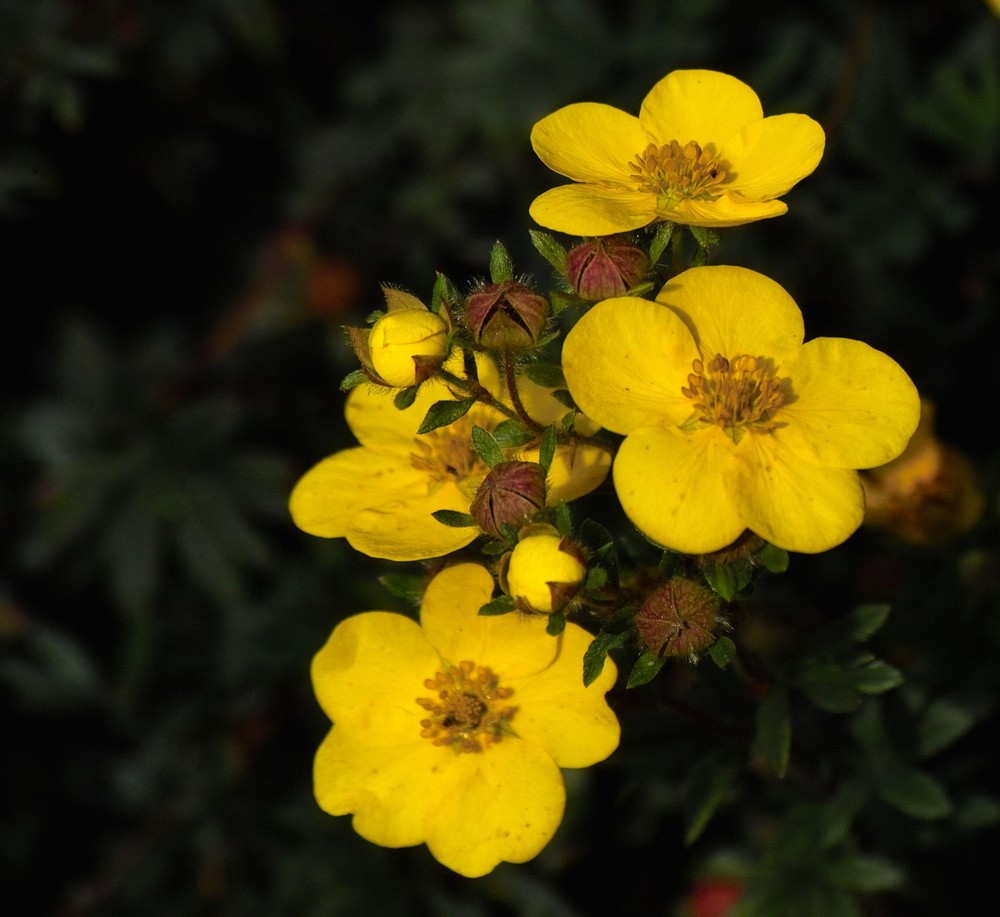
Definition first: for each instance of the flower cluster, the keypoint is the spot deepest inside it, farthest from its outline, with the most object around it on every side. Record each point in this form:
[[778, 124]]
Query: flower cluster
[[485, 421]]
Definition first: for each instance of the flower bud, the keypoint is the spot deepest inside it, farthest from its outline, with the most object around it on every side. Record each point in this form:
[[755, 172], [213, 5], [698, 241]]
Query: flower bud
[[510, 495], [406, 346], [544, 570], [678, 618], [605, 267], [507, 315]]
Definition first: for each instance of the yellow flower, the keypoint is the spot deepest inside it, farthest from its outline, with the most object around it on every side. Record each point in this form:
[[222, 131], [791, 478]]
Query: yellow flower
[[544, 569], [400, 339], [730, 421], [380, 495], [701, 152], [453, 732]]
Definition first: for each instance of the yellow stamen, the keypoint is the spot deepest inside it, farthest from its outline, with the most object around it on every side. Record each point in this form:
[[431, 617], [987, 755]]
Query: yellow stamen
[[467, 710], [741, 394], [447, 454], [676, 173]]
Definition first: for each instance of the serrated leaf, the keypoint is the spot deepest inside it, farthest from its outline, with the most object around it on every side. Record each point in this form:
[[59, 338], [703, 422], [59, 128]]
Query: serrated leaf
[[501, 266], [453, 518], [773, 730], [486, 447], [549, 249], [547, 448], [547, 375], [723, 651], [597, 651], [556, 625], [512, 434], [646, 668], [353, 379], [914, 792], [498, 606], [443, 413], [406, 397]]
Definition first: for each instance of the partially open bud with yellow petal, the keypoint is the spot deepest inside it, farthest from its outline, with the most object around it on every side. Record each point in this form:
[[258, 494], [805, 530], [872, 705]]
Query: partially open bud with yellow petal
[[510, 495], [605, 267], [407, 346], [506, 316], [678, 618], [545, 570]]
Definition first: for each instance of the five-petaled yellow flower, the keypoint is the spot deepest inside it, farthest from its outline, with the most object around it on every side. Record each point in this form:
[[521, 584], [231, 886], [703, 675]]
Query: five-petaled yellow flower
[[731, 422], [701, 153], [380, 495], [453, 732]]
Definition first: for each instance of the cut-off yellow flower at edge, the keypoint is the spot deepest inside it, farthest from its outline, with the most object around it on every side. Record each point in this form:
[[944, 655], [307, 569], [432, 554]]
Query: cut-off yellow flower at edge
[[700, 153], [453, 732], [731, 422], [381, 495]]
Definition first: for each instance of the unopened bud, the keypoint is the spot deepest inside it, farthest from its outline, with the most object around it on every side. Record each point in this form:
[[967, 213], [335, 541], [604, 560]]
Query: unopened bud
[[678, 618], [545, 570], [406, 346], [507, 315], [605, 267], [510, 495]]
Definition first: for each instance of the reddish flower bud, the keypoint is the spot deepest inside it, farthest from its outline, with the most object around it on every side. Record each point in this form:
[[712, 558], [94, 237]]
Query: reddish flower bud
[[605, 267], [510, 495], [678, 618], [507, 315]]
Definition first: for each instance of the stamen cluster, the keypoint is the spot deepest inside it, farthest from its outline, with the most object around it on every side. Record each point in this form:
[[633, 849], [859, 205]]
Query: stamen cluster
[[738, 395], [678, 173]]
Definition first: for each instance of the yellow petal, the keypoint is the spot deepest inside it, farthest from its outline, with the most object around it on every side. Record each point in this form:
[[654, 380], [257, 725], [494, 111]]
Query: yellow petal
[[405, 529], [373, 658], [701, 105], [733, 311], [571, 722], [794, 504], [576, 470], [503, 805], [327, 498], [768, 157], [593, 210], [625, 362], [855, 407], [377, 422], [726, 211], [589, 142], [513, 645], [383, 783], [678, 489]]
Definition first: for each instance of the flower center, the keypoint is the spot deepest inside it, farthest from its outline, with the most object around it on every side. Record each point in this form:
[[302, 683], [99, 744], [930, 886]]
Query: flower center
[[467, 710], [447, 454], [676, 173], [740, 394]]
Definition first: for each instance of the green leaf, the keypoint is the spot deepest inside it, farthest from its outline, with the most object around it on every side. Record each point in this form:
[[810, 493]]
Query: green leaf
[[646, 668], [549, 249], [711, 786], [597, 578], [773, 736], [705, 237], [865, 874], [547, 448], [596, 653], [563, 396], [486, 447], [944, 722], [723, 651], [442, 413], [404, 586], [772, 558], [914, 792], [837, 686], [564, 524], [352, 379], [498, 606], [660, 241], [501, 267], [444, 295], [454, 519], [406, 397], [512, 434], [547, 375], [556, 624]]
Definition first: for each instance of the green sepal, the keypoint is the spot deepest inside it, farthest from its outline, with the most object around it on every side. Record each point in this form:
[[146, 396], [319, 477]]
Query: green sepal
[[501, 266], [498, 606], [352, 379], [373, 317], [486, 447], [772, 558], [723, 651], [547, 448], [549, 249], [556, 624], [445, 294], [453, 519], [442, 413], [406, 397]]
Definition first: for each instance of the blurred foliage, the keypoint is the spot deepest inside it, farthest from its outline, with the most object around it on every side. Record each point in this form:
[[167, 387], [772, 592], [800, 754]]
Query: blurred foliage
[[195, 196]]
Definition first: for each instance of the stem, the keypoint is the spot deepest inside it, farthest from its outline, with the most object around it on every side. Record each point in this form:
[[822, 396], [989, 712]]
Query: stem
[[478, 392], [510, 377], [677, 249]]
